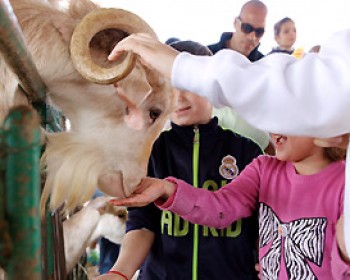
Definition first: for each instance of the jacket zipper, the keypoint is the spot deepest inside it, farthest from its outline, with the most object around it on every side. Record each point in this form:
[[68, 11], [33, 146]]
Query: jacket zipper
[[195, 167]]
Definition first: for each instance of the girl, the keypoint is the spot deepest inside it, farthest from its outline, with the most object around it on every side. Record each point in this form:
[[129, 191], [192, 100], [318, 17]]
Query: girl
[[299, 194]]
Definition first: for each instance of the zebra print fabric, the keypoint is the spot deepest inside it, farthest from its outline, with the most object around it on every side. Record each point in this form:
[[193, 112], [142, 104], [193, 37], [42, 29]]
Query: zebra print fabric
[[302, 240]]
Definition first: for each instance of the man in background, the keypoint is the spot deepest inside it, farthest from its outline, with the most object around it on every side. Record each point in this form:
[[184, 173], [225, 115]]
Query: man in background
[[249, 28]]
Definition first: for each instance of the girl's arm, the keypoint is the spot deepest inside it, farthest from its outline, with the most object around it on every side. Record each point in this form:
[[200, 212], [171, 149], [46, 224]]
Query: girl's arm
[[280, 94], [341, 240], [149, 190], [340, 262], [218, 209]]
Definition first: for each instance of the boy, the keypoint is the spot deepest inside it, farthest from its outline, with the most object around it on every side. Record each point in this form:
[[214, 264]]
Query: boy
[[200, 152]]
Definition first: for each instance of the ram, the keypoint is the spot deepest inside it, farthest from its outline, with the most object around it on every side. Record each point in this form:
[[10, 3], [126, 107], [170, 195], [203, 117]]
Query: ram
[[115, 109]]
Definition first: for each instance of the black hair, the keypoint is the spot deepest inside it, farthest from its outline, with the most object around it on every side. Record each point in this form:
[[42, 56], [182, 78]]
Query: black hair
[[171, 40], [192, 47], [278, 25]]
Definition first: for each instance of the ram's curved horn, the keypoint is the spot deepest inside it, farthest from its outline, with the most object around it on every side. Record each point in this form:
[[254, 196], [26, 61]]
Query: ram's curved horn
[[91, 62]]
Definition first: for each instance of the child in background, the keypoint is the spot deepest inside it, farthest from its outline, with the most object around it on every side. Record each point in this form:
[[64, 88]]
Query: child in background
[[300, 195], [285, 36], [197, 150]]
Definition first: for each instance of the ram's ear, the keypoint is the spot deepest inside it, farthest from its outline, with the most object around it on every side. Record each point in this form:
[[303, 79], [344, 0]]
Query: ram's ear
[[65, 20], [65, 26]]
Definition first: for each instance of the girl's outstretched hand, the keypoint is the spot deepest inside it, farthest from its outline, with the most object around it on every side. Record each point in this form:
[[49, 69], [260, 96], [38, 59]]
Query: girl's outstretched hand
[[149, 190], [153, 53]]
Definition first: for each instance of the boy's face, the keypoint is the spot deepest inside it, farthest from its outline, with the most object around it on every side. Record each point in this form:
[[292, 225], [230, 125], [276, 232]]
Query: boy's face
[[287, 36], [191, 109], [296, 149]]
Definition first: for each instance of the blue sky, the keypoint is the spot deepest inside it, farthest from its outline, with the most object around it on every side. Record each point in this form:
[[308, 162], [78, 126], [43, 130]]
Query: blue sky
[[205, 20]]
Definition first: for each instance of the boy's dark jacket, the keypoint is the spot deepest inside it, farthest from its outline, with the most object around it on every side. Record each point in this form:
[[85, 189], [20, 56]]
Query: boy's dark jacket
[[218, 258]]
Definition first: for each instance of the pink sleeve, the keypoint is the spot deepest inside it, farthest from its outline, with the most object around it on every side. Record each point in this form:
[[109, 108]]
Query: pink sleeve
[[218, 209], [163, 205], [340, 269]]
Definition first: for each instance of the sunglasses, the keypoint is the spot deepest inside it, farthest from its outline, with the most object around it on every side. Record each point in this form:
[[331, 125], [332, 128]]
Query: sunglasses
[[247, 28]]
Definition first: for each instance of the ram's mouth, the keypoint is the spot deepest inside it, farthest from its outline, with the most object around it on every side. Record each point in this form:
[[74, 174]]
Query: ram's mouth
[[112, 184]]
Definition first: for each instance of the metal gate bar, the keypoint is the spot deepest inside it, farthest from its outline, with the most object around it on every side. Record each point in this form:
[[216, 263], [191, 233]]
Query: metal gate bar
[[22, 180], [17, 57]]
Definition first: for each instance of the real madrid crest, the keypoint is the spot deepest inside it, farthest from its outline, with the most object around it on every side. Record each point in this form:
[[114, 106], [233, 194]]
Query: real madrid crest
[[228, 168]]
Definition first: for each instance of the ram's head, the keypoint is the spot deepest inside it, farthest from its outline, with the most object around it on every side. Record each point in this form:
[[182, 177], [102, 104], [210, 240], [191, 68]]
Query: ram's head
[[113, 127]]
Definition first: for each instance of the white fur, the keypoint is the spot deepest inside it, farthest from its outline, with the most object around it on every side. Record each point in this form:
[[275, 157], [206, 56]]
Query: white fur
[[100, 149], [88, 225]]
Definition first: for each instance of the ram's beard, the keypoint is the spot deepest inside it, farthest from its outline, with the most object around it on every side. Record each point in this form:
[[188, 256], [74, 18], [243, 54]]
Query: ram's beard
[[72, 172]]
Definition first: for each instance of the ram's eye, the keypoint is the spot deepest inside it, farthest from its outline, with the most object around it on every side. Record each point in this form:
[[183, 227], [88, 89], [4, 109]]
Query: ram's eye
[[154, 113]]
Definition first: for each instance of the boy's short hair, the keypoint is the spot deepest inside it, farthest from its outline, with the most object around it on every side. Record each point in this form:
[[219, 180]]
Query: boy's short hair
[[171, 40], [278, 25], [191, 47]]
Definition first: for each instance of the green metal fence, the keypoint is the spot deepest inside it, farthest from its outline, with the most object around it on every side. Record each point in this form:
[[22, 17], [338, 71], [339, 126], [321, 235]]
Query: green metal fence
[[21, 140], [26, 242]]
